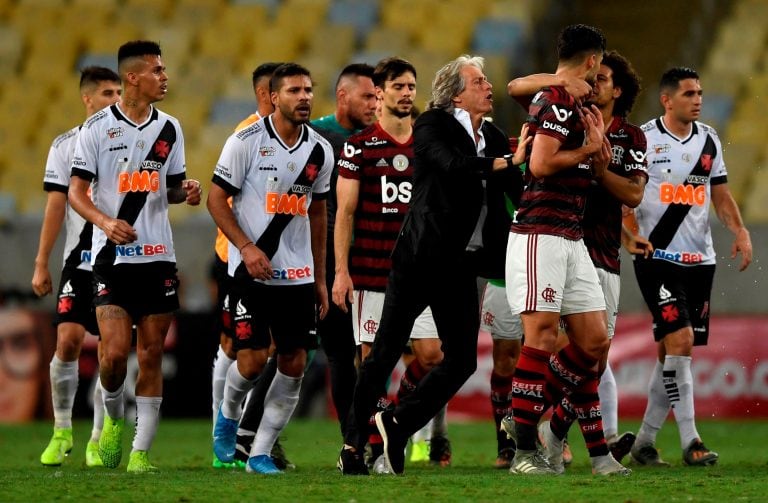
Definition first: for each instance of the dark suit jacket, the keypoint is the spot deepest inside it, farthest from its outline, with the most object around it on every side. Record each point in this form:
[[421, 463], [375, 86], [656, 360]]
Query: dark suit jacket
[[448, 192]]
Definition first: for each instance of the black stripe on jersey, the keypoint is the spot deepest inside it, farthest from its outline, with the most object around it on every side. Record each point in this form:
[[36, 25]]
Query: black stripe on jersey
[[54, 187], [228, 188], [670, 221], [694, 131], [269, 240], [134, 202], [83, 243], [82, 173]]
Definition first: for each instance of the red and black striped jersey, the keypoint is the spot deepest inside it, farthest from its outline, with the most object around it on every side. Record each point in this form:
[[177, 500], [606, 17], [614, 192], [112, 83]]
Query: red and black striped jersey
[[602, 217], [555, 204], [384, 169]]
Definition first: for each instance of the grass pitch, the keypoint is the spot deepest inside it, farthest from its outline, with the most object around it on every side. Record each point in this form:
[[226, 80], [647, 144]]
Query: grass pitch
[[182, 450]]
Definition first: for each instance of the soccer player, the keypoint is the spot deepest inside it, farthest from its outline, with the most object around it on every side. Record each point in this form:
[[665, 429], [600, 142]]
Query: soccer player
[[686, 173], [455, 150], [137, 154], [496, 317], [355, 110], [226, 354], [616, 88], [278, 171], [548, 269], [373, 193], [99, 88]]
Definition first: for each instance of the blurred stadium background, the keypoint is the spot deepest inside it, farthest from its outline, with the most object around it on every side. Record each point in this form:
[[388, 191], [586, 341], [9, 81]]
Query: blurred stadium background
[[210, 48]]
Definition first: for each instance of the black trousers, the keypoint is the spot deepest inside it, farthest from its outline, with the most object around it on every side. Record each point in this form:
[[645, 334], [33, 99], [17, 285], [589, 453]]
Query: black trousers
[[451, 293]]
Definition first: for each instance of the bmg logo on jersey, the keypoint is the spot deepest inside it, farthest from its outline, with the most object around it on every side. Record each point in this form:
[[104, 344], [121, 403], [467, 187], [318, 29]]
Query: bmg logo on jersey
[[682, 194], [392, 192], [286, 204], [138, 181]]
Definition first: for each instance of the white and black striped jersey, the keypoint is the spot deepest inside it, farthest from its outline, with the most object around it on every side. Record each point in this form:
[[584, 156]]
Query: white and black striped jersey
[[77, 246], [273, 186], [133, 165], [674, 212]]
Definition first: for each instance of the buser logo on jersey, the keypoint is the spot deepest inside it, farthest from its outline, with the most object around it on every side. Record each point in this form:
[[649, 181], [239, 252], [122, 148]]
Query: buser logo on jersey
[[391, 192], [286, 204]]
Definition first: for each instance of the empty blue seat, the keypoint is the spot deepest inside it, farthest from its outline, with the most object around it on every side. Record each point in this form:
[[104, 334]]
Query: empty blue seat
[[231, 110], [362, 14]]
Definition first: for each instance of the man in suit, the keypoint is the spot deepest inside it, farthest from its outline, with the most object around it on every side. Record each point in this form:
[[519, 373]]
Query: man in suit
[[435, 260]]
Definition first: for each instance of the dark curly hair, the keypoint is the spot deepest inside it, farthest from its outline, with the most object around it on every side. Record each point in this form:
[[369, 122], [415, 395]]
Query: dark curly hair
[[624, 77]]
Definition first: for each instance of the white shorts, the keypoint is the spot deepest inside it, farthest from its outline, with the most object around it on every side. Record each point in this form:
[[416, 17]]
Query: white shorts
[[611, 285], [551, 273], [496, 317], [366, 316]]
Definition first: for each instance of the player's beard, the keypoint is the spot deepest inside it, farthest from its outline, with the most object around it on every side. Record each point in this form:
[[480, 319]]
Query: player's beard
[[295, 116], [399, 113]]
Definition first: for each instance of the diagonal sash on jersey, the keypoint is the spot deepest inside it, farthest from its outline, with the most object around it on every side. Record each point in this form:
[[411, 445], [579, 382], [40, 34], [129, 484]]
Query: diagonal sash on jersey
[[134, 202], [269, 240], [670, 221]]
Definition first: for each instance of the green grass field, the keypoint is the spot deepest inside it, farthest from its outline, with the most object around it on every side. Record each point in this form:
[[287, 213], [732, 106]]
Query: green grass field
[[182, 450]]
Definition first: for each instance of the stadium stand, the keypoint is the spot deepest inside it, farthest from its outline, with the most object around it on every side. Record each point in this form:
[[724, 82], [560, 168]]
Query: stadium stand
[[211, 47]]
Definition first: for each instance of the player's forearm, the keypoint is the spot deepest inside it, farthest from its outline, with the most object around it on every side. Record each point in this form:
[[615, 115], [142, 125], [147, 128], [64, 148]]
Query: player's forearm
[[547, 165], [53, 217], [82, 204], [318, 225], [729, 214], [176, 194], [627, 190], [342, 239], [225, 219]]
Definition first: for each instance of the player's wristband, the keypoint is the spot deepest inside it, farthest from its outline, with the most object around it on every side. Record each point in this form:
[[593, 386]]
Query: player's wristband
[[510, 161], [246, 244]]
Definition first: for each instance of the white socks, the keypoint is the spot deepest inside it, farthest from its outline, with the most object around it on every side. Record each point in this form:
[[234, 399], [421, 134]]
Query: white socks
[[114, 402], [656, 410], [98, 411], [279, 404], [424, 433], [147, 418], [221, 365], [609, 402], [64, 377], [235, 390], [678, 382]]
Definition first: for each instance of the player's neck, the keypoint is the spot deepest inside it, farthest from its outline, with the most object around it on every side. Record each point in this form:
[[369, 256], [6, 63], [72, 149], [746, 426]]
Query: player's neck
[[288, 131], [677, 127], [399, 128], [135, 109], [607, 113]]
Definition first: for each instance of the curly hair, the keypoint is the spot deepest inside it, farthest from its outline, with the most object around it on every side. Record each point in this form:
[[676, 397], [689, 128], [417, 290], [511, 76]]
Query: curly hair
[[625, 78]]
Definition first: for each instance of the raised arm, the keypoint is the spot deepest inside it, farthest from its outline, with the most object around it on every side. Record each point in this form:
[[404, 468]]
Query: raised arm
[[522, 89]]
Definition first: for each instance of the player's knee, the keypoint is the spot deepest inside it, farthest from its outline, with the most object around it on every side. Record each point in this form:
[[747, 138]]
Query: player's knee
[[69, 340], [150, 355], [292, 364], [430, 358]]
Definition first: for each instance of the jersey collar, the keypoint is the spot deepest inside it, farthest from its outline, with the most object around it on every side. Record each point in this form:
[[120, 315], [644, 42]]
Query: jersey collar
[[272, 132], [694, 130], [119, 116]]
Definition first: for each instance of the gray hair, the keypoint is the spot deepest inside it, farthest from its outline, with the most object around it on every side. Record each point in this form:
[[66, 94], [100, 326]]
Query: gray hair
[[449, 83]]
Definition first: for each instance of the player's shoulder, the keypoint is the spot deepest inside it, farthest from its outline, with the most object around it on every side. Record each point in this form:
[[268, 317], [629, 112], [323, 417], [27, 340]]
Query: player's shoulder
[[650, 127], [98, 118], [250, 131], [706, 129], [316, 137], [65, 137], [369, 134], [555, 95]]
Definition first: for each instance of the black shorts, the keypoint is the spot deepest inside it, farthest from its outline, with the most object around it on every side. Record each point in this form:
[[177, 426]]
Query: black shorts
[[223, 315], [140, 289], [677, 296], [74, 299], [288, 313]]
